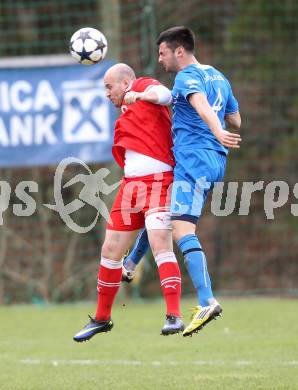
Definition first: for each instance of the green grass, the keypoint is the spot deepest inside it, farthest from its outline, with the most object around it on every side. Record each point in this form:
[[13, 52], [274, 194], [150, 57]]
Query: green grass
[[253, 346]]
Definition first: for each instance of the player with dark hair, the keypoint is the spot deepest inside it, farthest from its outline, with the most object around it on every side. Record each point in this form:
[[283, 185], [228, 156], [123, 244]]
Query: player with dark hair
[[203, 103], [142, 147]]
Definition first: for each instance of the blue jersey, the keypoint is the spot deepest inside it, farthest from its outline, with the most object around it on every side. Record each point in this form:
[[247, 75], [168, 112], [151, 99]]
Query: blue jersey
[[188, 128]]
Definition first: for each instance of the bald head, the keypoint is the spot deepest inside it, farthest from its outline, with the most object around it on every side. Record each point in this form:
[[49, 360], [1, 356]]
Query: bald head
[[117, 79], [120, 72]]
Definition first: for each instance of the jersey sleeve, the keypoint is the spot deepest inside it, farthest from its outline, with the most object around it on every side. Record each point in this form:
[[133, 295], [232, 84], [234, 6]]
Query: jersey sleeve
[[141, 84], [187, 83], [232, 103]]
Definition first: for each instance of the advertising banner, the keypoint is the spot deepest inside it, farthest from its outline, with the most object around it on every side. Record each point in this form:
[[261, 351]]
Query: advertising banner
[[55, 112]]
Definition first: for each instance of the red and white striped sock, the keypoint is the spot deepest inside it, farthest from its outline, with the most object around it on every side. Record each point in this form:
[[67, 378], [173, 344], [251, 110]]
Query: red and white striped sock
[[170, 281], [108, 283]]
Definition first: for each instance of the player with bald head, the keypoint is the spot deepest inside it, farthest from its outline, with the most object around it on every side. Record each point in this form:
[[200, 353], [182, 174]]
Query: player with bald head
[[143, 149], [117, 79], [121, 71]]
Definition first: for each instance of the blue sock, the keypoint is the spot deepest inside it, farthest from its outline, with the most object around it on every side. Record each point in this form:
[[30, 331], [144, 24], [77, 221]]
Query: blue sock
[[196, 264], [138, 251]]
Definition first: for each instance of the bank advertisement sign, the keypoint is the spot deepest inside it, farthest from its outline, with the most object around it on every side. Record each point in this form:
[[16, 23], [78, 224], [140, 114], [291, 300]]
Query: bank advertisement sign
[[51, 113]]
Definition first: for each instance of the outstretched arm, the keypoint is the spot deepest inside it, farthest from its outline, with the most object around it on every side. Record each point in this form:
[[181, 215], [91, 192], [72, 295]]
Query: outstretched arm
[[203, 108]]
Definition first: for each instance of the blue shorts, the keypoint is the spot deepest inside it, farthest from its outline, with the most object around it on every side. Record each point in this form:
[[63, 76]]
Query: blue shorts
[[195, 174]]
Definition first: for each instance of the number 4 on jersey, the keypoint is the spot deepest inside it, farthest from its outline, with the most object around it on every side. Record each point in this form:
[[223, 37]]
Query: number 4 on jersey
[[217, 105]]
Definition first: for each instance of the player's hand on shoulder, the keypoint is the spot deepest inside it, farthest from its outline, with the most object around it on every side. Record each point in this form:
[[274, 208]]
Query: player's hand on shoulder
[[229, 140]]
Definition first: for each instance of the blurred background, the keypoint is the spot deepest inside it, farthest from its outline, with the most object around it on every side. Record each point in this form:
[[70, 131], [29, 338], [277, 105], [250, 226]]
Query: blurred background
[[254, 43]]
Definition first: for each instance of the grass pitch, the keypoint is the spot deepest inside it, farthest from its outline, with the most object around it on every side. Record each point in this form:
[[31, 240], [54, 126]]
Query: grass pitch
[[253, 346]]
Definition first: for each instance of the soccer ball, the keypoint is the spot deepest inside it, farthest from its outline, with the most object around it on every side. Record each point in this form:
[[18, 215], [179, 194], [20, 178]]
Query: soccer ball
[[88, 46]]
